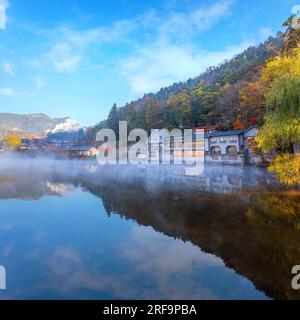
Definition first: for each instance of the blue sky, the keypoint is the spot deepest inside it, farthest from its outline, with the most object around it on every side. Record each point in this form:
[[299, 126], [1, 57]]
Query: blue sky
[[76, 58]]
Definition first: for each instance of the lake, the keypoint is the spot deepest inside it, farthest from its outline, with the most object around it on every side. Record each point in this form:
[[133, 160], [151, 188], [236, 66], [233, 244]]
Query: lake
[[73, 230]]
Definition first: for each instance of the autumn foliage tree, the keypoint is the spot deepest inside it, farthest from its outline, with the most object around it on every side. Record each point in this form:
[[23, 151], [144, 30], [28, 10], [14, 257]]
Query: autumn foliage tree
[[287, 168], [252, 105], [281, 129], [238, 125], [212, 98], [292, 34], [12, 142], [282, 122]]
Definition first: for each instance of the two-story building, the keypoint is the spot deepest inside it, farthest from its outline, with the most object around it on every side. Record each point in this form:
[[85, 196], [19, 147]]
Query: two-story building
[[231, 147], [224, 147], [228, 147]]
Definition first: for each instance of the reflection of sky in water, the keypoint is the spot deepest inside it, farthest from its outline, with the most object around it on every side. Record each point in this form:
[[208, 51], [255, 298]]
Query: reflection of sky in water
[[67, 247]]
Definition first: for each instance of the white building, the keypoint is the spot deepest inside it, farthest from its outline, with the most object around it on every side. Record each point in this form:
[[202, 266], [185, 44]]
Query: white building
[[228, 147]]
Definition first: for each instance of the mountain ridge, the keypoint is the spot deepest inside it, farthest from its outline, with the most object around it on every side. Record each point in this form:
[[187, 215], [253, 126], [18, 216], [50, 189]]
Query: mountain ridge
[[36, 123], [212, 98]]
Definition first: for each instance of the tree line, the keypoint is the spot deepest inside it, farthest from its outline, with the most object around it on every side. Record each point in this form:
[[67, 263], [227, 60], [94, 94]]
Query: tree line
[[259, 86]]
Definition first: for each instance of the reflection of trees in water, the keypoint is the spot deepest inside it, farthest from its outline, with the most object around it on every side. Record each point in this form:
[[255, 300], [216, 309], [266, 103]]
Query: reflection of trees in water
[[7, 179], [21, 186], [275, 218], [255, 232], [32, 186]]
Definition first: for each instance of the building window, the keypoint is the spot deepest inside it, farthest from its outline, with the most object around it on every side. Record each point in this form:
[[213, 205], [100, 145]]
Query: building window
[[215, 150], [232, 150], [222, 140]]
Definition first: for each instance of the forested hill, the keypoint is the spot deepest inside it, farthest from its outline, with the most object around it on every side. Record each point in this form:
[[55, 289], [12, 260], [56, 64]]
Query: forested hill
[[240, 68], [213, 98]]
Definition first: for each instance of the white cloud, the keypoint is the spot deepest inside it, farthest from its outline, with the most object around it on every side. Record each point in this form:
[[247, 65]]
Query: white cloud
[[186, 24], [163, 46], [100, 35], [4, 3], [156, 255], [170, 54], [160, 65], [8, 68], [69, 46], [9, 92], [61, 58], [68, 50], [38, 81]]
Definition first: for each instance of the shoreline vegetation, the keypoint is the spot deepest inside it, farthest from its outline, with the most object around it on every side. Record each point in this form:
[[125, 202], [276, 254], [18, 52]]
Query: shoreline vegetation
[[230, 212], [16, 160], [258, 87]]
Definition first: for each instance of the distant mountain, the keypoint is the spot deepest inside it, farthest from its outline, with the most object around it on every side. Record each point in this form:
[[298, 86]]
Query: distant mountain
[[39, 124]]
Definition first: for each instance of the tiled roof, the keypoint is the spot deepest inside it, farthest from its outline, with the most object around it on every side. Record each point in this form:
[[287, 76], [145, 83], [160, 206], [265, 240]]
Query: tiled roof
[[210, 135], [224, 134]]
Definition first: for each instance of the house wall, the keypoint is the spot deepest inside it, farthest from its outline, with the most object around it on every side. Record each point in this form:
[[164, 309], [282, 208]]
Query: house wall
[[225, 159], [224, 143], [240, 141]]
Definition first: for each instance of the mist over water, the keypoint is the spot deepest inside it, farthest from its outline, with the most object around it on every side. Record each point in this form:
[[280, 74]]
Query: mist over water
[[230, 178], [74, 229]]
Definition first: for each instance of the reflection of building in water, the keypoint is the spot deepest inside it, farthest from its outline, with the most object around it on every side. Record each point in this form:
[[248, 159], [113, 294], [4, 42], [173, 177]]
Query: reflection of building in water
[[18, 183], [255, 232], [216, 179]]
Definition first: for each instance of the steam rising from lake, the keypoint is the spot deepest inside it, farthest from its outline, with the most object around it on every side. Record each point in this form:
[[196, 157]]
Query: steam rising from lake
[[59, 176], [145, 231]]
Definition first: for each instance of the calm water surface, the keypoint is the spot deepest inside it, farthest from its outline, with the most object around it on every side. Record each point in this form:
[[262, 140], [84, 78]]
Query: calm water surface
[[77, 231]]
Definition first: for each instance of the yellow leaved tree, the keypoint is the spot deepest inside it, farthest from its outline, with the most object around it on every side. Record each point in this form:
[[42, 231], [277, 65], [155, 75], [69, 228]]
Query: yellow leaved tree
[[283, 66], [281, 129], [287, 168], [12, 142]]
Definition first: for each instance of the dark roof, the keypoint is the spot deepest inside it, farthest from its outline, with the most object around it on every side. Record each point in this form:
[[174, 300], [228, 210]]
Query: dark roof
[[224, 134], [250, 128], [79, 148]]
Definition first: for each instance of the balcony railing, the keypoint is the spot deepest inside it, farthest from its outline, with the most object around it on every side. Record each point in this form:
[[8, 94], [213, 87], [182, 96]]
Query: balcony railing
[[230, 157], [225, 157]]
